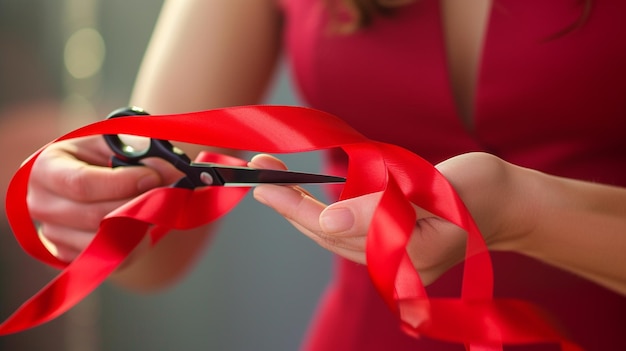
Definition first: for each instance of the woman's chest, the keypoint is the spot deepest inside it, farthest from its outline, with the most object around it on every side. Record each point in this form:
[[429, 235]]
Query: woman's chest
[[393, 80]]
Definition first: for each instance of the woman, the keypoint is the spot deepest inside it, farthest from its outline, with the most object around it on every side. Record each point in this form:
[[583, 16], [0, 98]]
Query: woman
[[520, 105]]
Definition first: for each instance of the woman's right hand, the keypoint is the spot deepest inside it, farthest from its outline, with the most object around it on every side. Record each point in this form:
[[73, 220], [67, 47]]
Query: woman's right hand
[[72, 188]]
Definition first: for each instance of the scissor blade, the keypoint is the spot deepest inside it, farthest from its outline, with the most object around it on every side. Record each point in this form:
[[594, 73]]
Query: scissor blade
[[242, 176]]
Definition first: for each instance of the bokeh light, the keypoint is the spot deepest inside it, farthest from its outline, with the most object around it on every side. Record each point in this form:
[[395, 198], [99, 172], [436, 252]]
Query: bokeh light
[[84, 53]]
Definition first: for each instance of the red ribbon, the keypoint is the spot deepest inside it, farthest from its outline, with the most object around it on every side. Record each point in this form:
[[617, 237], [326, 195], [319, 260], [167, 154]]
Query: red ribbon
[[475, 318]]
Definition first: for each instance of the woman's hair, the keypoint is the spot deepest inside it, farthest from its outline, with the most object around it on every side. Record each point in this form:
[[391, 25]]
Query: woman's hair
[[356, 14], [366, 10], [351, 15]]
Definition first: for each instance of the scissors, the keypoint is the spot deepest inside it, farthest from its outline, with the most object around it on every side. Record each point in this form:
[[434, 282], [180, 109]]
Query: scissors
[[199, 174]]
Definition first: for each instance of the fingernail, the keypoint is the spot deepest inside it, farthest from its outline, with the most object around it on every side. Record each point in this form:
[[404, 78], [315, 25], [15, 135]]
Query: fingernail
[[148, 182], [336, 220]]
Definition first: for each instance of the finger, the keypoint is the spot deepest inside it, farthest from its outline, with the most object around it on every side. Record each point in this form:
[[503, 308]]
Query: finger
[[303, 212], [86, 183], [352, 248], [351, 217], [291, 204], [63, 242], [50, 208], [266, 161]]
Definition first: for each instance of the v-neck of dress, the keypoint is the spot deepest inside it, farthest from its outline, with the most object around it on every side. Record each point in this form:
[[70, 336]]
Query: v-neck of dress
[[464, 30]]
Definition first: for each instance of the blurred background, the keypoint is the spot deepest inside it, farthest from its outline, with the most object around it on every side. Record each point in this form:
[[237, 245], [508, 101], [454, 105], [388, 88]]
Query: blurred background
[[65, 63]]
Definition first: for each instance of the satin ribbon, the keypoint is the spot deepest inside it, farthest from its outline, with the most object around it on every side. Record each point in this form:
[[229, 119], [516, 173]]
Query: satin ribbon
[[474, 319]]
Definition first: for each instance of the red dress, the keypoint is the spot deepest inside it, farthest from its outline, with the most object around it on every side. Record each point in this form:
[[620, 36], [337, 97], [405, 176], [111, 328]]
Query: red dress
[[553, 104]]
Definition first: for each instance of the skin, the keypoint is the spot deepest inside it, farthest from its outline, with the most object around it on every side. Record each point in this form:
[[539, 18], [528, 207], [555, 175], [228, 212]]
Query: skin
[[578, 226]]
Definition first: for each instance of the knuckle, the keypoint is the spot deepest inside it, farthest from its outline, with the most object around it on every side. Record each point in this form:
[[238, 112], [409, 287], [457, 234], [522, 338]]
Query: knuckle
[[92, 216], [340, 242], [37, 212], [51, 235], [63, 242], [329, 240], [41, 206], [75, 185]]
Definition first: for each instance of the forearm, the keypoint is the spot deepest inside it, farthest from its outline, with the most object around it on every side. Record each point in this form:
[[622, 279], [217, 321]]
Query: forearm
[[208, 54], [575, 225], [150, 268], [203, 55]]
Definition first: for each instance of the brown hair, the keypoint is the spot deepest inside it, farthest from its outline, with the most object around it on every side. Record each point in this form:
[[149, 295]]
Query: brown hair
[[361, 13], [584, 16], [351, 15]]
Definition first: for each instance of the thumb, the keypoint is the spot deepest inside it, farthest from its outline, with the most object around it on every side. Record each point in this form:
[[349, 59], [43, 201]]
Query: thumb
[[145, 178], [351, 217]]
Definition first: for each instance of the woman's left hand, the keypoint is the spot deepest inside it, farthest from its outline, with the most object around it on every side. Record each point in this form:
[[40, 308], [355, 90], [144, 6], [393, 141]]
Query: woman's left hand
[[435, 245]]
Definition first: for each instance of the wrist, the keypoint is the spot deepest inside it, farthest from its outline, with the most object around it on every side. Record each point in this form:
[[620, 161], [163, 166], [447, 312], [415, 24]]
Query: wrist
[[498, 194], [523, 199]]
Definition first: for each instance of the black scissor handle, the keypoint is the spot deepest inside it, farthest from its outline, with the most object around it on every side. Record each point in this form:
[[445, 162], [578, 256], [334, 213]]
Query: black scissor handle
[[126, 155]]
